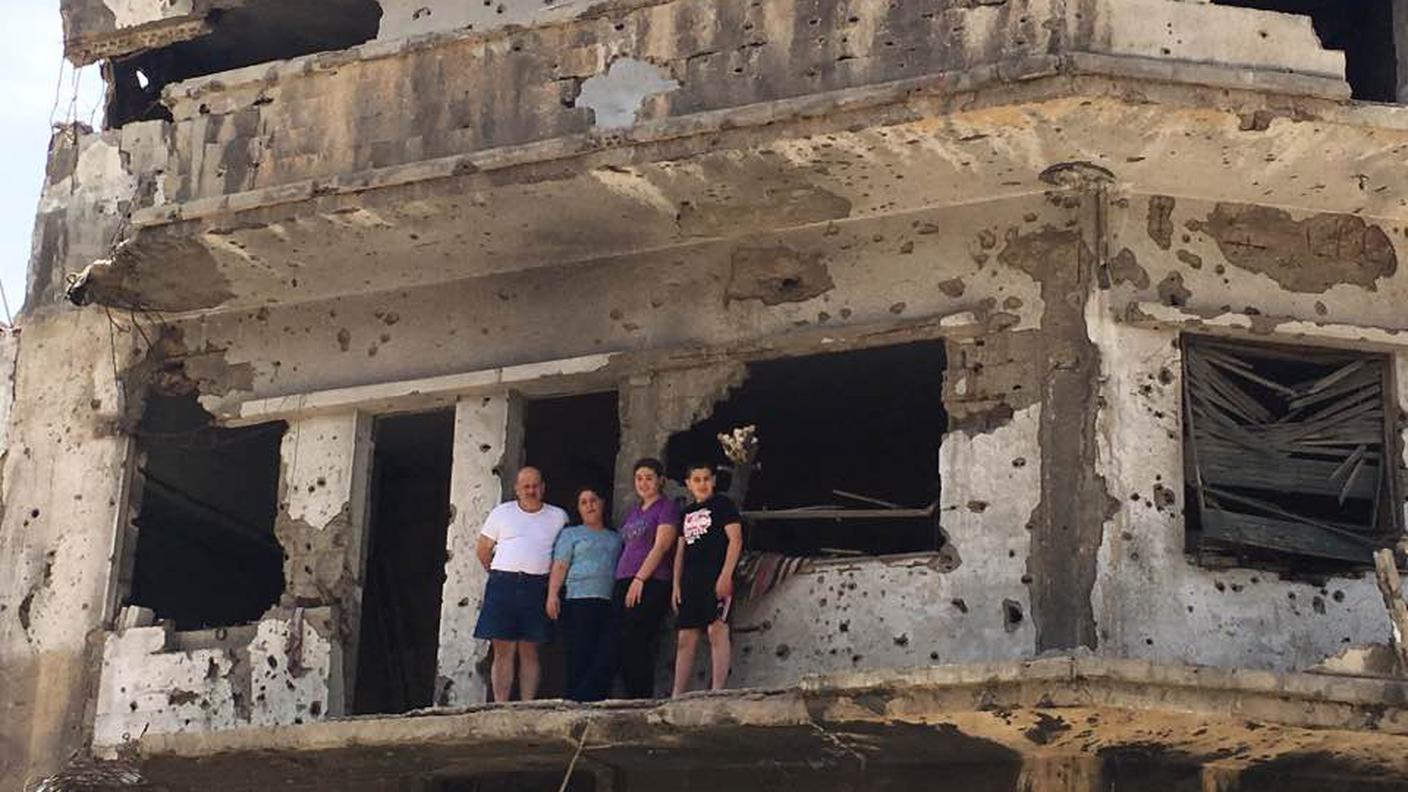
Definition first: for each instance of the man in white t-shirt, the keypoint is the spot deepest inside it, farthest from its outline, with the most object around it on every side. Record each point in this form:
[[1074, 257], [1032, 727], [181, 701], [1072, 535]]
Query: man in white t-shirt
[[515, 546]]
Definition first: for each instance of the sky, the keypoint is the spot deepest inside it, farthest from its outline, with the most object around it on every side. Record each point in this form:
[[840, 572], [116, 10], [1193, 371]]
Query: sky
[[32, 74]]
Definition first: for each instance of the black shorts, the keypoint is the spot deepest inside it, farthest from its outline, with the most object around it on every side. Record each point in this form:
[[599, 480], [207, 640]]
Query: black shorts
[[700, 607]]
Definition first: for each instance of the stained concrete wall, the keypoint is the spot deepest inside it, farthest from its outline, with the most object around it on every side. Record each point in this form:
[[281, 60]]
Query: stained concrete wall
[[61, 491], [280, 671], [289, 667], [1016, 276], [915, 269], [487, 448], [1325, 274], [326, 116], [403, 18], [968, 604]]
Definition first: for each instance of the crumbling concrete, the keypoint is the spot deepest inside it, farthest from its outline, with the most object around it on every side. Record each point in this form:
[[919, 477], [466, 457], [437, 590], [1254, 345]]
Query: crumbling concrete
[[283, 670], [488, 435], [497, 202]]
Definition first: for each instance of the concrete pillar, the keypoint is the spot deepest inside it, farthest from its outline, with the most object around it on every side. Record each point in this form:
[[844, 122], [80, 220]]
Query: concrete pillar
[[1060, 774], [637, 407], [322, 525], [488, 446], [654, 406]]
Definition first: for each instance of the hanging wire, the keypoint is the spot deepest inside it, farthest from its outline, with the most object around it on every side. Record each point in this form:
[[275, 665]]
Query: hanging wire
[[5, 301], [58, 89]]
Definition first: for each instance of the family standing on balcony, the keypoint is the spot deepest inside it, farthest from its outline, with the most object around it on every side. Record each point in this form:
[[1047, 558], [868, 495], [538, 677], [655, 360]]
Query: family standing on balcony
[[610, 591]]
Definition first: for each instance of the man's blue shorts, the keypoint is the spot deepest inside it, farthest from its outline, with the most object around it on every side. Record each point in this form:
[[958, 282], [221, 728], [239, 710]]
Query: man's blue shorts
[[515, 608]]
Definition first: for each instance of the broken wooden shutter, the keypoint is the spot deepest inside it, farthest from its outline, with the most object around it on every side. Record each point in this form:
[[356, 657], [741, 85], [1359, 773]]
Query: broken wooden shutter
[[1285, 450]]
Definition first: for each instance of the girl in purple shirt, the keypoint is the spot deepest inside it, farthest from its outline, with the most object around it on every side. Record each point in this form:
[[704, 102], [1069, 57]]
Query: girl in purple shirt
[[642, 593]]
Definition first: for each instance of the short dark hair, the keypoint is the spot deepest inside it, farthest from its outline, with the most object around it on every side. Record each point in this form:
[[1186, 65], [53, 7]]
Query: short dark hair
[[699, 464], [650, 463], [592, 488]]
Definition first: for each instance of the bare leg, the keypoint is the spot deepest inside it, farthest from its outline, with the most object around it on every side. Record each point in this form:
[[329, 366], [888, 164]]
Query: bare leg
[[529, 671], [501, 673], [686, 644], [720, 652]]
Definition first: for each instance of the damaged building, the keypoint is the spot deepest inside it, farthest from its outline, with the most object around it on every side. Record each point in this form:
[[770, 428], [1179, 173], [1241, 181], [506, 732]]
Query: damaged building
[[1073, 334]]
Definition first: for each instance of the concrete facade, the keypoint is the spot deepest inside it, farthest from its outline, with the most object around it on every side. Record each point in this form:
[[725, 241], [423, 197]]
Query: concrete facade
[[482, 205]]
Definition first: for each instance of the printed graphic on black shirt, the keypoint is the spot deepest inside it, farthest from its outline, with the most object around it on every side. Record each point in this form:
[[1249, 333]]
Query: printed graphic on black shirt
[[706, 542]]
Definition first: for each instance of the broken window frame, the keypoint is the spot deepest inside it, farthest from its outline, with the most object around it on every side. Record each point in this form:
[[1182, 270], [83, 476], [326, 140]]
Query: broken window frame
[[133, 482], [1212, 372]]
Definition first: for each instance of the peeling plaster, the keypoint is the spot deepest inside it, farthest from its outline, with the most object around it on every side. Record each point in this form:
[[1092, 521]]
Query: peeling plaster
[[156, 681], [1308, 255], [1151, 600], [485, 446], [617, 96]]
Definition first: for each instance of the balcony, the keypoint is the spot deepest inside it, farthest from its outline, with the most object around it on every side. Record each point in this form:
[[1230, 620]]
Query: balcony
[[274, 182]]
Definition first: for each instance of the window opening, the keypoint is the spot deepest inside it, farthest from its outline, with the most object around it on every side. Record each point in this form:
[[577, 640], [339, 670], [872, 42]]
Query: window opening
[[405, 573], [205, 552], [848, 450], [1363, 29], [1285, 450], [256, 32]]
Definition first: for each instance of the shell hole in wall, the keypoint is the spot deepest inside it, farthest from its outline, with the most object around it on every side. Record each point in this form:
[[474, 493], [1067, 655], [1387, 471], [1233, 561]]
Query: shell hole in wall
[[405, 572], [854, 435], [254, 32], [1363, 29], [205, 553]]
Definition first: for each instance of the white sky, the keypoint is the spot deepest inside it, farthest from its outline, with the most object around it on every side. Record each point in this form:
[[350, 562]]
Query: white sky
[[30, 63]]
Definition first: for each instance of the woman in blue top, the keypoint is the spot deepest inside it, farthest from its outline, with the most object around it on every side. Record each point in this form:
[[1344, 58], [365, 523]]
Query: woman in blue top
[[584, 558]]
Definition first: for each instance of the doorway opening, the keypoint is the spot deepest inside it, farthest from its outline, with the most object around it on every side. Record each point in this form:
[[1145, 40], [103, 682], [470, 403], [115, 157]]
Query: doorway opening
[[573, 440], [410, 514]]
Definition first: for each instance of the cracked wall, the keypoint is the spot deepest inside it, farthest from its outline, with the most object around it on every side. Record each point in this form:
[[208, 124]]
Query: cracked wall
[[61, 488], [826, 240], [916, 268], [282, 670], [1152, 600], [259, 127], [290, 666], [488, 432]]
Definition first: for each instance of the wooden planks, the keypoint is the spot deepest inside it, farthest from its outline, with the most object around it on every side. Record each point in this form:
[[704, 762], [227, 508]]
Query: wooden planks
[[1386, 570], [1286, 448]]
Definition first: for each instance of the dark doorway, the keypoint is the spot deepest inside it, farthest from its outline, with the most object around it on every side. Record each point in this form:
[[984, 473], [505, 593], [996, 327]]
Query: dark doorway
[[574, 441], [206, 554], [855, 431], [1363, 29], [410, 513]]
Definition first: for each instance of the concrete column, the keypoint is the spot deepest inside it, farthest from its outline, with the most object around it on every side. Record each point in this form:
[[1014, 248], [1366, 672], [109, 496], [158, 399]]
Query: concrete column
[[655, 406], [322, 521], [488, 447], [637, 407], [1060, 774]]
